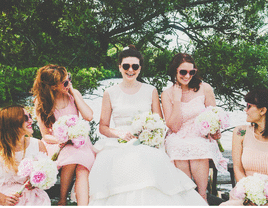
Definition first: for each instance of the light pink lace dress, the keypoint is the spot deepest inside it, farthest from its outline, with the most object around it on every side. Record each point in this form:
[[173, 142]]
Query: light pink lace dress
[[188, 144], [69, 154]]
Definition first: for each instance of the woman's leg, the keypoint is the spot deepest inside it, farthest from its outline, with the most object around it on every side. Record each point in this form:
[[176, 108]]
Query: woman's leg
[[184, 166], [82, 186], [200, 172], [66, 178]]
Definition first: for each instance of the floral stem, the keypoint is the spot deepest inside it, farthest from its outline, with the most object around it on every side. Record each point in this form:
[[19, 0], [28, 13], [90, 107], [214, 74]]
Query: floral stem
[[23, 187], [56, 154]]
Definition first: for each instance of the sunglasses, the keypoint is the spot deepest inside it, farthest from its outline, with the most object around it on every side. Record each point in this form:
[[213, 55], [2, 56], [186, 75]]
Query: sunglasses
[[134, 66], [27, 117], [66, 82], [249, 106], [183, 72]]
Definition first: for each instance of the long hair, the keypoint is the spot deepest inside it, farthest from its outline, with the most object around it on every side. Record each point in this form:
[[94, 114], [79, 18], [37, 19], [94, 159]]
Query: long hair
[[177, 60], [11, 121], [259, 97], [47, 76], [130, 52]]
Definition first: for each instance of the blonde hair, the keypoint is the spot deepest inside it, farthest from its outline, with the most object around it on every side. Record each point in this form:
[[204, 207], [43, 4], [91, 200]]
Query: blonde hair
[[11, 121], [47, 76]]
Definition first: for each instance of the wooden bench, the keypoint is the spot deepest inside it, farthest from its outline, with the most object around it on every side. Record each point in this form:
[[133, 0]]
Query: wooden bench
[[212, 186]]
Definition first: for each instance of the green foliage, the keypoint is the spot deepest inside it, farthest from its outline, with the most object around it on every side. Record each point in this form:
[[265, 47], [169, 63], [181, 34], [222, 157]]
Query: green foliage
[[92, 134], [15, 83], [233, 68]]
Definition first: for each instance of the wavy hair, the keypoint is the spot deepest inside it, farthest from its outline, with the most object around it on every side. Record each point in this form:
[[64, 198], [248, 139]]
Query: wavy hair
[[259, 97], [177, 60], [47, 76], [11, 121]]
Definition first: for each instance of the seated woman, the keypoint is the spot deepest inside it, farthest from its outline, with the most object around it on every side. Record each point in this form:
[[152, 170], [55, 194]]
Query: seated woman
[[15, 145], [128, 174], [250, 143]]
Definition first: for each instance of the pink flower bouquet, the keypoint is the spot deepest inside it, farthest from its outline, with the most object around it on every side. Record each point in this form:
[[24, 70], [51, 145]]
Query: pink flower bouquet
[[70, 128], [211, 120], [253, 189], [40, 170]]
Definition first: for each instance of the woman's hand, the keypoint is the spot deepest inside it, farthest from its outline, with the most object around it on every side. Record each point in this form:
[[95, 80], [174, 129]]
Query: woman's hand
[[127, 136], [11, 199], [29, 186], [177, 92], [215, 136]]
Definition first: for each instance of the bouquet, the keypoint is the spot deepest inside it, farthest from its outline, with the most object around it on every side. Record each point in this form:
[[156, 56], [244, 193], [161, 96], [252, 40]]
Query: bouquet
[[41, 171], [71, 128], [211, 120], [253, 189], [149, 128]]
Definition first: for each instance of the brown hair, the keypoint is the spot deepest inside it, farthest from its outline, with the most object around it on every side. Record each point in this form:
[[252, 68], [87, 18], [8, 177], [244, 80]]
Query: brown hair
[[130, 52], [47, 76], [11, 121], [177, 60]]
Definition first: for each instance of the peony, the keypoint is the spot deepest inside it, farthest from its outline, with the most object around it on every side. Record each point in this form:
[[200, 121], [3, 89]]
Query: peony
[[25, 167], [72, 120], [37, 177], [79, 141]]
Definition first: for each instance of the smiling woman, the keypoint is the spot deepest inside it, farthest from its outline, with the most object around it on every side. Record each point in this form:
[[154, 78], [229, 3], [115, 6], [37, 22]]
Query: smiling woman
[[15, 145]]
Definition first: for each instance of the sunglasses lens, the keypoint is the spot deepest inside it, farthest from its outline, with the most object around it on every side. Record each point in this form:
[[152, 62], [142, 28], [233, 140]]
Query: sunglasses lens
[[26, 118], [66, 83], [70, 77], [135, 67], [183, 72], [126, 66], [192, 72]]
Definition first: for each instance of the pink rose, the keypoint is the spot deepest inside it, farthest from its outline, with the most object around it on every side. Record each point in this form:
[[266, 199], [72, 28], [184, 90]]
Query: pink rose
[[204, 127], [25, 167], [72, 121], [266, 190], [61, 133], [38, 177], [79, 141]]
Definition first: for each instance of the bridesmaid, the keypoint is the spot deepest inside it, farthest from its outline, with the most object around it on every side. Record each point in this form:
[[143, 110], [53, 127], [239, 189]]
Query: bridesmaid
[[16, 144], [250, 142], [56, 97], [182, 103]]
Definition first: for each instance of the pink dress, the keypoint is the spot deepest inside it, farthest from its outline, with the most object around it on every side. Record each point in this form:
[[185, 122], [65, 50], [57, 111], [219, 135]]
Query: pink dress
[[10, 182], [188, 144], [69, 154], [254, 160]]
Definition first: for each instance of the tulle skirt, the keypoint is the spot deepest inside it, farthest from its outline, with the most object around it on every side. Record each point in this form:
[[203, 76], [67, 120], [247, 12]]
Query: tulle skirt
[[128, 174]]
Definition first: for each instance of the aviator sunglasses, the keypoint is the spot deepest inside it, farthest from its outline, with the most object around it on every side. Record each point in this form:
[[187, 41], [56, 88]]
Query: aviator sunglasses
[[249, 106], [183, 72], [66, 82], [27, 117], [134, 66]]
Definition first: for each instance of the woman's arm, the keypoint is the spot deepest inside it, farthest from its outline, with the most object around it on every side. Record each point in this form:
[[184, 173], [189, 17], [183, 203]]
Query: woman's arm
[[81, 105], [45, 132], [237, 150], [42, 147], [209, 95], [156, 103], [172, 112]]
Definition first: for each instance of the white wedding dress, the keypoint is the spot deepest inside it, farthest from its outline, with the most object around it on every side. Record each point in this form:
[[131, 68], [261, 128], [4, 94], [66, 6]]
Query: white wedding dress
[[128, 174]]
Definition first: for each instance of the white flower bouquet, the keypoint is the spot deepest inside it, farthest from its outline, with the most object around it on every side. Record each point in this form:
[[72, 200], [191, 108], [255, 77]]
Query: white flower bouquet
[[41, 171], [253, 189], [211, 120], [71, 128], [150, 129]]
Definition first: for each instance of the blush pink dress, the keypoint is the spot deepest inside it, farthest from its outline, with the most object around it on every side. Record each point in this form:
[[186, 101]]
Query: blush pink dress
[[10, 182], [254, 160], [69, 154], [187, 143]]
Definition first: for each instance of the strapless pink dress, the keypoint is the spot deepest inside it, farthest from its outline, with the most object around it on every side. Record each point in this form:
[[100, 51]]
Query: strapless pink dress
[[188, 144], [69, 154]]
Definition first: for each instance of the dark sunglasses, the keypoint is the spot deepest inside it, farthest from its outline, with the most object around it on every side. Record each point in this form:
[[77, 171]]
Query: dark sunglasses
[[66, 82], [27, 117], [249, 106], [183, 72], [134, 66]]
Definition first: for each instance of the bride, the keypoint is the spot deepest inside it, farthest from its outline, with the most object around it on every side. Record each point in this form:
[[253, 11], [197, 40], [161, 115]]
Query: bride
[[128, 174]]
